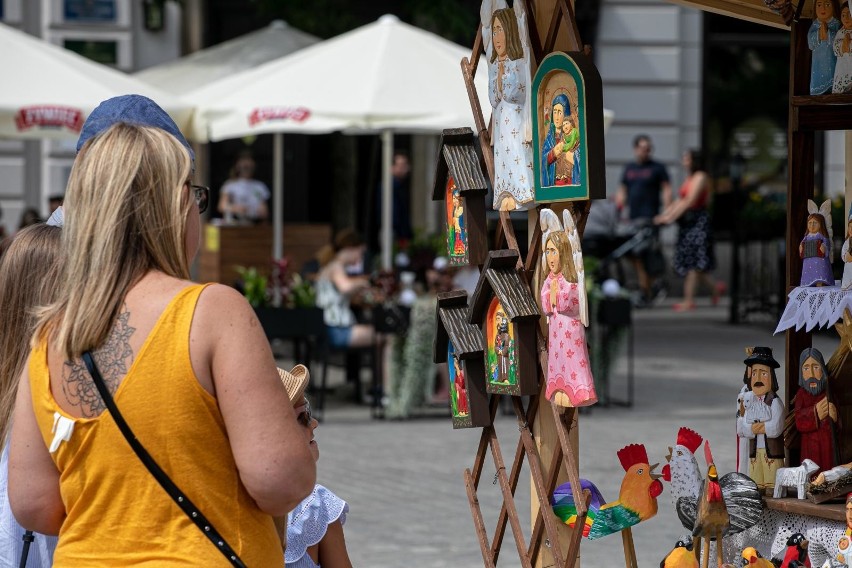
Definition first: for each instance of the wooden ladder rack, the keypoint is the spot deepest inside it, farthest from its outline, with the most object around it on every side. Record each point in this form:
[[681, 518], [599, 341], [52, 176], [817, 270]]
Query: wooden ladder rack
[[544, 479]]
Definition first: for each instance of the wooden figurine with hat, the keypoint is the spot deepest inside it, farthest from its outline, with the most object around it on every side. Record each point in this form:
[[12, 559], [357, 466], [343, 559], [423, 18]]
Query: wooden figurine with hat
[[760, 418]]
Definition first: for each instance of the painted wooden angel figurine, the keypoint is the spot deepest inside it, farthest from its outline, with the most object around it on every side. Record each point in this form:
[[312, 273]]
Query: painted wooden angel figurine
[[821, 41], [563, 300], [815, 248], [846, 255], [504, 31]]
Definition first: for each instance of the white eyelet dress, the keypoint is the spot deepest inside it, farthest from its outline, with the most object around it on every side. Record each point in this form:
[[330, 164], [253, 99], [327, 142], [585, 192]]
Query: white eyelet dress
[[308, 523]]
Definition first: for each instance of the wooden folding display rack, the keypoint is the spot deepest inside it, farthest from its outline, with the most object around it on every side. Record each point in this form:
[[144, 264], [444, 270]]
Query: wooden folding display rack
[[545, 471]]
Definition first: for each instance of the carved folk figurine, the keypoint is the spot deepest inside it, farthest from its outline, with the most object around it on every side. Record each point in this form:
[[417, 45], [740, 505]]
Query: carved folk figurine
[[820, 41], [849, 514], [815, 248], [569, 375], [742, 442], [842, 47], [846, 257], [816, 415], [844, 544], [833, 474], [504, 31], [761, 418]]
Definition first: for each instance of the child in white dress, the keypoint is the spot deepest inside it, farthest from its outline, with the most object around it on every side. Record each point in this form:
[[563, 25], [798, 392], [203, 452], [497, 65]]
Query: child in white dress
[[315, 526]]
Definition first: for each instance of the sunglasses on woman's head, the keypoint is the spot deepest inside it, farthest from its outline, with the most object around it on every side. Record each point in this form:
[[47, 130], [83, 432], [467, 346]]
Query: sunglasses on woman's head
[[202, 196], [303, 414]]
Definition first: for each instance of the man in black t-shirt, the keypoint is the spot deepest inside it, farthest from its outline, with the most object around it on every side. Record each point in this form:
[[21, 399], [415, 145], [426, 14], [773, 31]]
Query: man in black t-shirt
[[644, 188]]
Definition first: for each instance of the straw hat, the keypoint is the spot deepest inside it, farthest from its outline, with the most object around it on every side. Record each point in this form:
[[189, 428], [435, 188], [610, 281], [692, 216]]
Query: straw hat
[[295, 381]]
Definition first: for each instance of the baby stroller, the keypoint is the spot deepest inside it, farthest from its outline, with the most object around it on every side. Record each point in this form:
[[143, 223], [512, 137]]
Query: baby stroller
[[610, 240]]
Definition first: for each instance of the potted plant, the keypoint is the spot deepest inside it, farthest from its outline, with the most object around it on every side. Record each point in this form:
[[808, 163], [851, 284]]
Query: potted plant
[[297, 316]]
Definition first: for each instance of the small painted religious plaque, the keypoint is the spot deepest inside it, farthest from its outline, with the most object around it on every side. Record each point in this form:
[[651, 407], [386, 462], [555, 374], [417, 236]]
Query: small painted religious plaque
[[502, 359], [461, 184], [460, 345], [568, 129], [459, 404], [456, 229], [506, 309]]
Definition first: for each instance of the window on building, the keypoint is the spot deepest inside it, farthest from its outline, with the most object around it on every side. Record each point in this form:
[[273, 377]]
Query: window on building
[[105, 52], [89, 11]]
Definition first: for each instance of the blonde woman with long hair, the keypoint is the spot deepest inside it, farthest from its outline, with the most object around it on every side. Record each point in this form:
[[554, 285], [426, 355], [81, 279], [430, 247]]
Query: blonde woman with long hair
[[188, 366], [29, 275]]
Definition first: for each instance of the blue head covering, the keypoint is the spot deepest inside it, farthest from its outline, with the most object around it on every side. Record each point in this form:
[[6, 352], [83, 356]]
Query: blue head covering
[[131, 109], [561, 99]]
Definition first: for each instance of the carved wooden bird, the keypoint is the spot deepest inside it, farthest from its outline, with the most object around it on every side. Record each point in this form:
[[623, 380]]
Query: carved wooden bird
[[738, 509], [796, 555], [712, 520], [681, 556], [637, 499], [753, 559]]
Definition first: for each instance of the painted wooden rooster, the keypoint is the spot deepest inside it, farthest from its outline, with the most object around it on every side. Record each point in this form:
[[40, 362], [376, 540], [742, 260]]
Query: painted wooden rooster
[[725, 506], [739, 496], [637, 499], [682, 470]]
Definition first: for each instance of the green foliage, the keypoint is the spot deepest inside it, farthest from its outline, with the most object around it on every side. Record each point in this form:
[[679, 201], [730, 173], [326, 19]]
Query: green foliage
[[254, 286], [764, 209], [302, 293], [434, 243], [454, 19], [323, 18]]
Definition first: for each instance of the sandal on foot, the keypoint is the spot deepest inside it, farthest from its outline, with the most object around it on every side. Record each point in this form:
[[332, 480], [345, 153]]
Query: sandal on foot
[[718, 291]]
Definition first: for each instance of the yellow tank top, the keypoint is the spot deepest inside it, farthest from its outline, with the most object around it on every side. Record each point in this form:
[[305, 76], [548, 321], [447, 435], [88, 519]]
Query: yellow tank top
[[118, 515]]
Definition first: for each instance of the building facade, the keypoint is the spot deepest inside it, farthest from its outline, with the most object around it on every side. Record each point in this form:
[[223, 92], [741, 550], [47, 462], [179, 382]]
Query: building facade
[[124, 34]]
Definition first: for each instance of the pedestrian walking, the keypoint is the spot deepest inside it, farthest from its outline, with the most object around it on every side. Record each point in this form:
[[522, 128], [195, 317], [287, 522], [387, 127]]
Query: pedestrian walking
[[694, 257], [644, 188]]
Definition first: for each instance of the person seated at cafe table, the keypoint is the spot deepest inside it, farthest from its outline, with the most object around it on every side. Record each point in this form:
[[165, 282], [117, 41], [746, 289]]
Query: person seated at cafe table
[[335, 289]]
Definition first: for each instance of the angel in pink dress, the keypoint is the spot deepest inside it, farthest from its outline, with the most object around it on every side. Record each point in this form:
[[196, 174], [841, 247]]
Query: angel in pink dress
[[569, 374]]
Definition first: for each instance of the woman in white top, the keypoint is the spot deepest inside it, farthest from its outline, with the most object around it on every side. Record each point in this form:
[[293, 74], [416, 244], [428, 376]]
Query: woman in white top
[[335, 287]]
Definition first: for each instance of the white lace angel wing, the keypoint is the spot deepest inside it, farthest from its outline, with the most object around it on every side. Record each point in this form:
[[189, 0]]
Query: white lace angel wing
[[577, 250], [812, 207], [825, 211], [549, 222], [523, 30]]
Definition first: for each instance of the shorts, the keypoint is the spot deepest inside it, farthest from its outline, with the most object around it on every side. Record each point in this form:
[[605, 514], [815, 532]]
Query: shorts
[[338, 337]]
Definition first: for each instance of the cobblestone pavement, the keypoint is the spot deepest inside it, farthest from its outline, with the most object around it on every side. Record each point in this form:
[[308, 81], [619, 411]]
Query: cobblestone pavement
[[404, 484]]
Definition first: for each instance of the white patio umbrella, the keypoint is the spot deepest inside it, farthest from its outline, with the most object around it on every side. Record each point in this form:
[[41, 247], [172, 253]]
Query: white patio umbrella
[[383, 77], [49, 91], [201, 68]]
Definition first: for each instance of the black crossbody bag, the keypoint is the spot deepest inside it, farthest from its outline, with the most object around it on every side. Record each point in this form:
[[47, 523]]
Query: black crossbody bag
[[182, 501]]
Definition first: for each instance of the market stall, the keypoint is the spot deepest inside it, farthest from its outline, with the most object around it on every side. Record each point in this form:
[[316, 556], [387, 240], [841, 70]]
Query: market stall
[[782, 500]]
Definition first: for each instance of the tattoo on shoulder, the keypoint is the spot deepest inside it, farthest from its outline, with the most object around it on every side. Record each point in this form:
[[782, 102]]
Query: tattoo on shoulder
[[113, 359]]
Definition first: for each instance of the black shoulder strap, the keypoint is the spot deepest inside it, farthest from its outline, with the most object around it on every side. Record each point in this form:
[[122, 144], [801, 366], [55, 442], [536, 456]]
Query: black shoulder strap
[[165, 482]]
